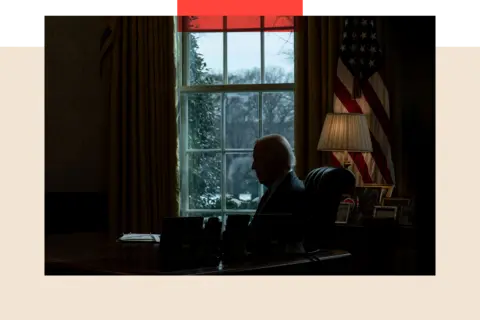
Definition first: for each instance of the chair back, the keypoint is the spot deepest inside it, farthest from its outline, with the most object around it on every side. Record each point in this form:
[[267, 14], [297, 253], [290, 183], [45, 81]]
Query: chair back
[[325, 187]]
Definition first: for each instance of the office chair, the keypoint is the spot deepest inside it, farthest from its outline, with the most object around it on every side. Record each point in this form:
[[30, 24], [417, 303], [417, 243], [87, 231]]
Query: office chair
[[324, 187]]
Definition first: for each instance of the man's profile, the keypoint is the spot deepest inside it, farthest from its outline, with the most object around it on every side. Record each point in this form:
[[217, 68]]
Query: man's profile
[[273, 163]]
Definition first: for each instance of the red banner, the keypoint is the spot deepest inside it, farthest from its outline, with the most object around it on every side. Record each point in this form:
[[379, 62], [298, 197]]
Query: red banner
[[240, 8], [235, 23]]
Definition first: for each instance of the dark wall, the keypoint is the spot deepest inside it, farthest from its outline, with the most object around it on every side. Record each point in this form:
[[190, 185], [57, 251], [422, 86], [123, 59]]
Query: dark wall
[[412, 42], [75, 126], [410, 75], [409, 46], [75, 115]]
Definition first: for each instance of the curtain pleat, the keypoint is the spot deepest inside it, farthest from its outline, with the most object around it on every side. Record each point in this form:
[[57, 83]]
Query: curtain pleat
[[139, 71], [316, 49]]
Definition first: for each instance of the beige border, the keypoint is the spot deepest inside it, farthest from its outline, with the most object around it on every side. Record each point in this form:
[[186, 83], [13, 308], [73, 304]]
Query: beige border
[[21, 180], [457, 177], [27, 294]]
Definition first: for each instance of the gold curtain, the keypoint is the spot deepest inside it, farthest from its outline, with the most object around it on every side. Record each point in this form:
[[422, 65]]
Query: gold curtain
[[138, 67], [316, 52]]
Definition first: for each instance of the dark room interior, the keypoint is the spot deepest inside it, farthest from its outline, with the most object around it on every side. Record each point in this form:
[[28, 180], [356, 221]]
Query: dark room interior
[[80, 168]]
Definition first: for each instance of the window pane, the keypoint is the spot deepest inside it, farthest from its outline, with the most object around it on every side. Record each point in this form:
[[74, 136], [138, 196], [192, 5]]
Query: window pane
[[206, 58], [278, 114], [204, 120], [204, 174], [242, 184], [241, 118], [243, 57], [279, 57]]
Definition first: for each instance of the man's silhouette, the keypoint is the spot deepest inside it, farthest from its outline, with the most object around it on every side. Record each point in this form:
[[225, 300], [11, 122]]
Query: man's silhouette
[[273, 162]]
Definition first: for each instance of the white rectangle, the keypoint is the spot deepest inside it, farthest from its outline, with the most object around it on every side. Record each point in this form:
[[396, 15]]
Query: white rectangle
[[459, 42], [20, 43]]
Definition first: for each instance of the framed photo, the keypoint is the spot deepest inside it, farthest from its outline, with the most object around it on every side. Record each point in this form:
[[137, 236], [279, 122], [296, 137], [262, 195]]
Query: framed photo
[[346, 196], [343, 212], [370, 196], [385, 190], [385, 212], [405, 210]]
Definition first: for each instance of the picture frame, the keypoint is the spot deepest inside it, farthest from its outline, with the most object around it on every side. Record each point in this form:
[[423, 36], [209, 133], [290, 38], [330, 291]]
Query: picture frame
[[386, 190], [385, 212], [371, 195], [343, 213], [405, 210]]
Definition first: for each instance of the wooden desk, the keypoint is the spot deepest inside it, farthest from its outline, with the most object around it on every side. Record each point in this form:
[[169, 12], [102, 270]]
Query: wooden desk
[[94, 254], [382, 249]]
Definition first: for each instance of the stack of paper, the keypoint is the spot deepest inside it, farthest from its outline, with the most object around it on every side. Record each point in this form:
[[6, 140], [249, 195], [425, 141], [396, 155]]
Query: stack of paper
[[140, 237]]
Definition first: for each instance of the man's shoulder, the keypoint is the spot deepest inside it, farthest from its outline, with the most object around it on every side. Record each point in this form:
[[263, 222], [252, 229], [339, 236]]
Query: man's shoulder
[[292, 188], [293, 183]]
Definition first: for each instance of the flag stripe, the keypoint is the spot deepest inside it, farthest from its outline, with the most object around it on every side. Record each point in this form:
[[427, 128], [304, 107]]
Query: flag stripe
[[335, 161], [362, 166], [345, 97], [359, 163], [377, 108], [380, 160], [375, 126], [352, 106], [361, 59], [377, 83]]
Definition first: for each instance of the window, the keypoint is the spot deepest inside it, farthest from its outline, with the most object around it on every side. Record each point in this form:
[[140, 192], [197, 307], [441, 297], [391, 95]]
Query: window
[[236, 85]]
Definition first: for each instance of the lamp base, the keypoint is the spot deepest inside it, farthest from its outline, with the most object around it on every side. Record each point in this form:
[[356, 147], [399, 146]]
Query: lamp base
[[346, 161], [348, 165]]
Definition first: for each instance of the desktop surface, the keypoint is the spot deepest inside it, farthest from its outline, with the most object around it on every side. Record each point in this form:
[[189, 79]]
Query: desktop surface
[[96, 254]]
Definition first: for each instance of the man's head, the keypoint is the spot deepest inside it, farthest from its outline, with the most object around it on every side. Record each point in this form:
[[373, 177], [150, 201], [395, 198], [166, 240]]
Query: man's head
[[272, 158]]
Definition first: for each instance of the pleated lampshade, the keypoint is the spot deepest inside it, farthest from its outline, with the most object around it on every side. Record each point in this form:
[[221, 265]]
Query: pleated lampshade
[[345, 132]]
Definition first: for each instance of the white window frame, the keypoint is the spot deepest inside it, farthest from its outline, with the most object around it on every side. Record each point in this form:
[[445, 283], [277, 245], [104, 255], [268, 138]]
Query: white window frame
[[184, 87]]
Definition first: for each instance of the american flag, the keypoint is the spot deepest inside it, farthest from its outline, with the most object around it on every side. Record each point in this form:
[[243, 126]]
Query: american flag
[[359, 88]]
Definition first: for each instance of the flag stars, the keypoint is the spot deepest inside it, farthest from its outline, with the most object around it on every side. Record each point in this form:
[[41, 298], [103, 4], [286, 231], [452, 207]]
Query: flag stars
[[360, 48]]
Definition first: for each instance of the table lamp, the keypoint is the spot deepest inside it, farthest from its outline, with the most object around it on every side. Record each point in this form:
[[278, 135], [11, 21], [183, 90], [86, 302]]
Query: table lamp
[[345, 132]]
